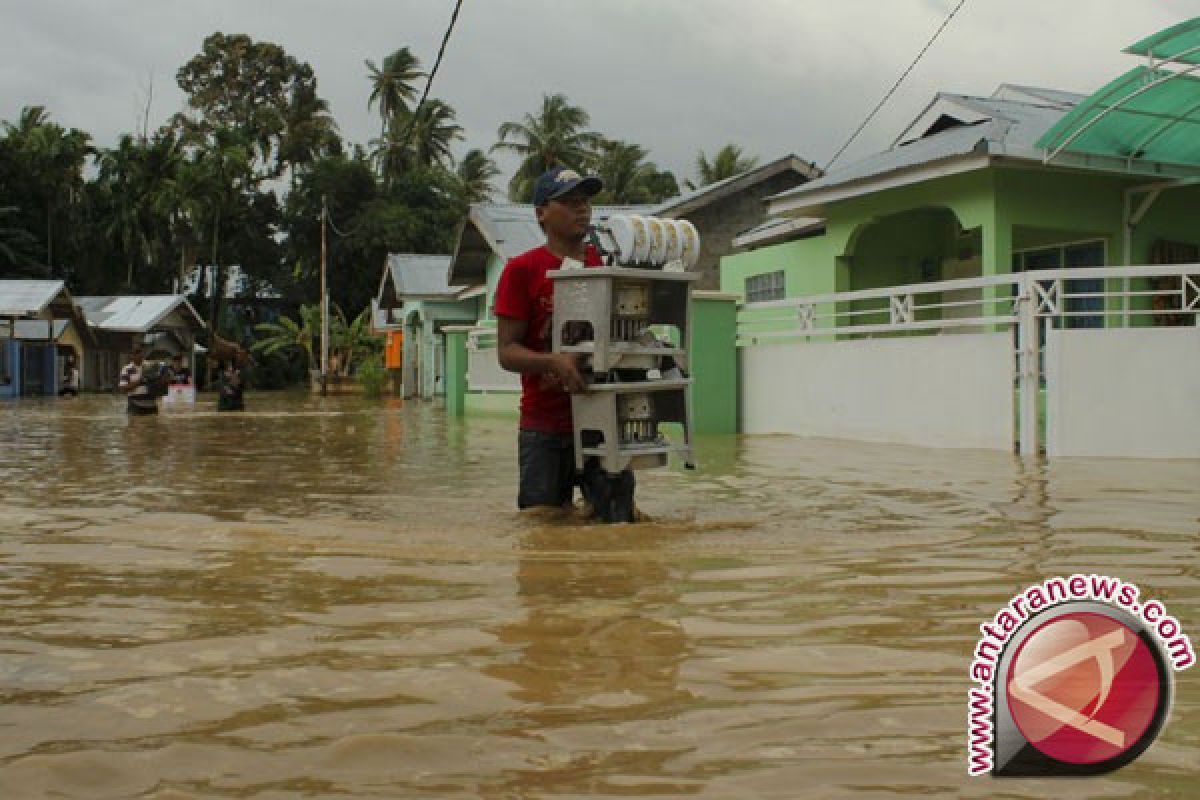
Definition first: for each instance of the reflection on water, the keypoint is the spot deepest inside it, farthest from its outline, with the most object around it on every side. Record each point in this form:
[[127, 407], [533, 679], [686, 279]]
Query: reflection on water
[[336, 598]]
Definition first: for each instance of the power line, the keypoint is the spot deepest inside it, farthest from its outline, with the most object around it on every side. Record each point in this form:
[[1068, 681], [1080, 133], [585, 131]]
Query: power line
[[896, 85], [428, 83]]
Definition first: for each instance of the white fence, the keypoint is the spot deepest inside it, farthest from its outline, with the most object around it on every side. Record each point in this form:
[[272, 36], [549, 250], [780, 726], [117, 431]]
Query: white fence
[[941, 363]]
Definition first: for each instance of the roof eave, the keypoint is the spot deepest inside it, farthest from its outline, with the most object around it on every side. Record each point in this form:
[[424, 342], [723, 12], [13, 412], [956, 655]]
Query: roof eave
[[743, 181], [813, 203]]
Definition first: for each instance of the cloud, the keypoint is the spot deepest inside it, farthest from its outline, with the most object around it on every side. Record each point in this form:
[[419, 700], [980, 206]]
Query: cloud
[[676, 76]]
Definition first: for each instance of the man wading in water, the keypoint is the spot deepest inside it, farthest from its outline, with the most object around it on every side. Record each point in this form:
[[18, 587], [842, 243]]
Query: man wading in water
[[524, 313]]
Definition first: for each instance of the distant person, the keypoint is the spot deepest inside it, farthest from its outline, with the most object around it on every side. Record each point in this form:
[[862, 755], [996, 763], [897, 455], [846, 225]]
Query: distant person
[[133, 384], [70, 385], [230, 388], [180, 374]]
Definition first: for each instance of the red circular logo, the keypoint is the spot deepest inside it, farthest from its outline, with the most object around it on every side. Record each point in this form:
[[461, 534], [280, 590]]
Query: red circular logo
[[1083, 688]]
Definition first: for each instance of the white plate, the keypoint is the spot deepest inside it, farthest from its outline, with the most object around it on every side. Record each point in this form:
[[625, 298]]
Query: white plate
[[641, 240], [620, 227], [690, 238], [658, 240], [675, 236]]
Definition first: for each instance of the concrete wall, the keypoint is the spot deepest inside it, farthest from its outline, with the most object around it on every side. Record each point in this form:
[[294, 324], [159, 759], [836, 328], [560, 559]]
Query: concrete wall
[[720, 221], [936, 391], [1125, 393]]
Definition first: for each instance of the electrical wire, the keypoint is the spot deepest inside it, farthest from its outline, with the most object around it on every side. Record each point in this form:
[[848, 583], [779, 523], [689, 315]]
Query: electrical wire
[[896, 85], [412, 122]]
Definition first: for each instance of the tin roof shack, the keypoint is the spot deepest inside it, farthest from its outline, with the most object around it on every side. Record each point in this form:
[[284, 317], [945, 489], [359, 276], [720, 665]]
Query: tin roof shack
[[164, 325], [40, 326]]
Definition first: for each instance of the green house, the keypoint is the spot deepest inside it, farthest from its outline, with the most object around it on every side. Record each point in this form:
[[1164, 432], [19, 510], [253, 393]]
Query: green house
[[967, 190]]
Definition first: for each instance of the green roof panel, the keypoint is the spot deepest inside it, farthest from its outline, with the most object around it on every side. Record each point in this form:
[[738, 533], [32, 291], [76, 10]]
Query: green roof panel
[[1146, 115], [1178, 43]]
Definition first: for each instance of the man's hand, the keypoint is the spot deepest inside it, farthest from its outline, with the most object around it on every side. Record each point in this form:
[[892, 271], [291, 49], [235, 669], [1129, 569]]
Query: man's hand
[[565, 367]]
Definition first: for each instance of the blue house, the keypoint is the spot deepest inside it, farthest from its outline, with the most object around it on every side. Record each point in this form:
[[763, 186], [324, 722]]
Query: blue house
[[40, 326]]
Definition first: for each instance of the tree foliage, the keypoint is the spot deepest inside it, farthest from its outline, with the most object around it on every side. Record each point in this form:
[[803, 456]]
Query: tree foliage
[[242, 175]]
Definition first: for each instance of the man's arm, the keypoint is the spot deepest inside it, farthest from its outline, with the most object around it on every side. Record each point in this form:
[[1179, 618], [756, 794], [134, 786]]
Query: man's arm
[[516, 357]]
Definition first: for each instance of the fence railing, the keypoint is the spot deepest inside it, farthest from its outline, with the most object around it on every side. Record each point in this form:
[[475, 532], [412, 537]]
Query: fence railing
[[1024, 304], [1116, 295]]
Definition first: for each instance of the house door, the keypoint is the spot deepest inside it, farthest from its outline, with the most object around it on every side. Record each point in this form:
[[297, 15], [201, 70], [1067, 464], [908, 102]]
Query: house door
[[34, 358]]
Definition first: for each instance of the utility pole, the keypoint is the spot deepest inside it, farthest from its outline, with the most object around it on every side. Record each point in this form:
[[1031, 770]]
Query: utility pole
[[324, 300]]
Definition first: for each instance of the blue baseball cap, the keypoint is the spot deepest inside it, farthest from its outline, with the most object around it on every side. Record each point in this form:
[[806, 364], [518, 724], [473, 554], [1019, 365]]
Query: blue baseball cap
[[557, 181]]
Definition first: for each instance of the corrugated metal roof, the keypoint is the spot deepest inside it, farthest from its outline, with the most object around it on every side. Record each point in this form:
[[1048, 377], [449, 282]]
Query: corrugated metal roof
[[27, 297], [35, 329], [1012, 129], [415, 275], [512, 228], [779, 229], [697, 198], [133, 314]]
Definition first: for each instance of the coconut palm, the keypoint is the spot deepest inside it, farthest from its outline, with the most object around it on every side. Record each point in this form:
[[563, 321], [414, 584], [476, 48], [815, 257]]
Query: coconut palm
[[628, 177], [392, 85], [556, 135], [422, 140], [55, 158], [728, 161], [475, 173]]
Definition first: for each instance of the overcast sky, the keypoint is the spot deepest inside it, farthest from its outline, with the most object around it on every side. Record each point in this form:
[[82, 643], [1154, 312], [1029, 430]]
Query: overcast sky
[[676, 76]]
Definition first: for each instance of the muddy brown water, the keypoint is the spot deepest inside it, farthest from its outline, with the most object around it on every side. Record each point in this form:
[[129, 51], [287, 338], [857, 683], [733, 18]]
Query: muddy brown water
[[336, 598]]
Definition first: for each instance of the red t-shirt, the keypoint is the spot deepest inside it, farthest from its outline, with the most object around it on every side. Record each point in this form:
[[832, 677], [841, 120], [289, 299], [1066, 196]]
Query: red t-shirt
[[525, 293]]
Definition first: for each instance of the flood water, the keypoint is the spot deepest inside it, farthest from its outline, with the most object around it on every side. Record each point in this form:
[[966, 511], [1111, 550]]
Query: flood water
[[336, 598]]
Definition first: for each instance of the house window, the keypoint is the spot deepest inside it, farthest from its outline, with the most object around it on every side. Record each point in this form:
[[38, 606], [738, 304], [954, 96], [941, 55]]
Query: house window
[[768, 286], [4, 379]]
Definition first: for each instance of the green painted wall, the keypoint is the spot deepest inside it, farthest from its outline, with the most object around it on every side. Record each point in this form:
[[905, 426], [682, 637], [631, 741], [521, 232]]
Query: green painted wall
[[456, 372], [900, 236], [714, 364]]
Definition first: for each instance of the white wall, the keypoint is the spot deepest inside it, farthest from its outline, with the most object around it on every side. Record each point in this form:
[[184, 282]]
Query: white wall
[[1132, 392], [484, 373], [936, 391]]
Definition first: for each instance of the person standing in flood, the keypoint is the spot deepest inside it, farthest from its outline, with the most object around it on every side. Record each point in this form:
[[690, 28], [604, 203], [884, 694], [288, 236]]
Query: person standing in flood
[[230, 387], [524, 313], [138, 398]]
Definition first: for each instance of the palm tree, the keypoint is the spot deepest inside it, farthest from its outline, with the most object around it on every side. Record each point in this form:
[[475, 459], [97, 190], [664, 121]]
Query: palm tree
[[557, 135], [123, 179], [56, 160], [422, 140], [31, 118], [475, 173], [392, 85], [309, 130], [289, 336], [433, 131], [628, 177], [729, 161]]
